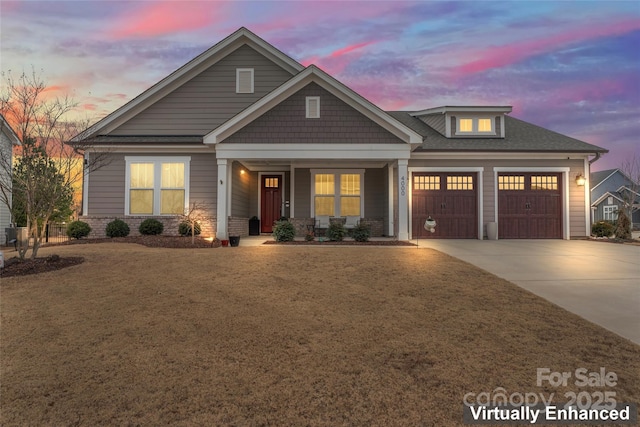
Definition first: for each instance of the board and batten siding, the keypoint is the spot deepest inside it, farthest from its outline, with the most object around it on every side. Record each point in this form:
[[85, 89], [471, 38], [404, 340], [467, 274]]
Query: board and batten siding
[[576, 194], [209, 99], [286, 123], [302, 194], [106, 195]]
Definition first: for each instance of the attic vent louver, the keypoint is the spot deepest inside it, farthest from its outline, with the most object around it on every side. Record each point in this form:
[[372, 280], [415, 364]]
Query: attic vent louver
[[244, 80], [313, 107]]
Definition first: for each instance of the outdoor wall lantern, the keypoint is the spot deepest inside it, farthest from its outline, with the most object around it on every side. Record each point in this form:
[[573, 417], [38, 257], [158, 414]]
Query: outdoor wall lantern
[[581, 180], [430, 224]]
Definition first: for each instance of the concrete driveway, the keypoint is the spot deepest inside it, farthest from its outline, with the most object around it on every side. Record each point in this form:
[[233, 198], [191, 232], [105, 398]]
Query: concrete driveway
[[596, 280]]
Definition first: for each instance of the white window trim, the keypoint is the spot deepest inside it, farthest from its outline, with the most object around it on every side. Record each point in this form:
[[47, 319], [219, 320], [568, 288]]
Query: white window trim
[[157, 181], [336, 195], [240, 70], [475, 120], [609, 212], [309, 99]]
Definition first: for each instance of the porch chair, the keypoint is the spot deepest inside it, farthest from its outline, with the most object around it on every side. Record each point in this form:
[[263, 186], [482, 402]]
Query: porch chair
[[351, 222], [322, 223]]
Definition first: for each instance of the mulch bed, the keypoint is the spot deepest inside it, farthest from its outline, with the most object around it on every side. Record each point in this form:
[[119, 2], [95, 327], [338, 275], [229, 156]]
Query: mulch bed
[[15, 267], [149, 241]]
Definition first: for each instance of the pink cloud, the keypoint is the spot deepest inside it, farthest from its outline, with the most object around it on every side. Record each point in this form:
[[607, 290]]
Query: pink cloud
[[495, 57], [338, 60], [158, 18]]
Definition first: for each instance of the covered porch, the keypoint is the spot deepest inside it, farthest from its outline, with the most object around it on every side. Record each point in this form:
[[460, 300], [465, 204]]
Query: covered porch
[[302, 182]]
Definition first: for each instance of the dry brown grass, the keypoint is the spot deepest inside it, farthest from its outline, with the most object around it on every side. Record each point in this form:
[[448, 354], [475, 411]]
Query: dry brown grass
[[279, 336]]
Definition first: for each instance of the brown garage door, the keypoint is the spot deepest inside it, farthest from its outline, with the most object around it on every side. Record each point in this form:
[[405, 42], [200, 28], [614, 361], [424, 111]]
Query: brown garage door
[[530, 206], [450, 199]]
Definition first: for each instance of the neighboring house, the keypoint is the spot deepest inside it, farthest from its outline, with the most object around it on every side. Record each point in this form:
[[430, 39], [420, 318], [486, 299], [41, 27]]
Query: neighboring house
[[246, 130], [8, 139], [609, 191]]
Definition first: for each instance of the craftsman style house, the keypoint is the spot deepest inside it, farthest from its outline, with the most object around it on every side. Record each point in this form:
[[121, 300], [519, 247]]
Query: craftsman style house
[[611, 190], [246, 130]]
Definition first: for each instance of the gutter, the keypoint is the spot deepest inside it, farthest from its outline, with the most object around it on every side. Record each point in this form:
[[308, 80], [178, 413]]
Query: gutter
[[598, 155]]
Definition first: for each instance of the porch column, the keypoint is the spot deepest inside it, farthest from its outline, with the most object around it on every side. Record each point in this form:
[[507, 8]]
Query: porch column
[[223, 185], [403, 200], [390, 226]]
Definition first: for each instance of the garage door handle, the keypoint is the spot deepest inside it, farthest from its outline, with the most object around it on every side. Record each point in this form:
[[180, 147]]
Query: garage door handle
[[443, 205], [527, 205]]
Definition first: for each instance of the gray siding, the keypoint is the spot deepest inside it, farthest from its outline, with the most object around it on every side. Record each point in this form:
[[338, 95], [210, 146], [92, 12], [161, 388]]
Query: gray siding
[[436, 121], [207, 100], [611, 185], [241, 191], [107, 185], [577, 219], [5, 215], [375, 194], [338, 123], [302, 206]]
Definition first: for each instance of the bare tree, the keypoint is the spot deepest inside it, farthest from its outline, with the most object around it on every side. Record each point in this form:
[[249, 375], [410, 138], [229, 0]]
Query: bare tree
[[44, 124], [630, 168], [195, 215]]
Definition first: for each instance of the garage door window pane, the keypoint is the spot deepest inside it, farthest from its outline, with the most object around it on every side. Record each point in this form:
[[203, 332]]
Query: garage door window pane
[[511, 182], [544, 182], [459, 183], [426, 182]]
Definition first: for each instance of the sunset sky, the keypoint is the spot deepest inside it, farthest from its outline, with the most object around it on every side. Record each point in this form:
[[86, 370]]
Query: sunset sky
[[570, 66]]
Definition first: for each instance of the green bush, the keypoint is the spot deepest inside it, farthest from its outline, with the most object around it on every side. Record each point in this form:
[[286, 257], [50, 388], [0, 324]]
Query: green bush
[[151, 227], [78, 229], [117, 228], [284, 231], [602, 229], [361, 232], [185, 228], [336, 232]]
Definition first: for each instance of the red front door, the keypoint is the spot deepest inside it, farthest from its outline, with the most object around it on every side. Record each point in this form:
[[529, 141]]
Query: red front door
[[270, 201]]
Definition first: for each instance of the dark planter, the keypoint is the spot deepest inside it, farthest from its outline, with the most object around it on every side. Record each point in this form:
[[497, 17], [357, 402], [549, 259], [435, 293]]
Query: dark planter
[[254, 227], [234, 240]]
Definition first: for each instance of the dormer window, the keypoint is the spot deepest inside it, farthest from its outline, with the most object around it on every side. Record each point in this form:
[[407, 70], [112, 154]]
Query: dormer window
[[244, 80], [475, 126]]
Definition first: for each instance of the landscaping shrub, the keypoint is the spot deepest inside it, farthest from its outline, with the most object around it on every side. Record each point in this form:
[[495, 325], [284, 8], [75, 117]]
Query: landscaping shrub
[[78, 229], [117, 228], [361, 233], [336, 232], [602, 229], [284, 231], [151, 227], [623, 225], [185, 228]]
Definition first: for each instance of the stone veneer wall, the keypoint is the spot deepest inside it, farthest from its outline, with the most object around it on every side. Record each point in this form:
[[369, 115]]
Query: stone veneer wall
[[238, 226], [98, 225], [302, 225]]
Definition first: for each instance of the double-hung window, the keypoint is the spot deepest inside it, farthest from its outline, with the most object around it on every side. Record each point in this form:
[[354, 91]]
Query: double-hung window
[[610, 213], [156, 185], [337, 193]]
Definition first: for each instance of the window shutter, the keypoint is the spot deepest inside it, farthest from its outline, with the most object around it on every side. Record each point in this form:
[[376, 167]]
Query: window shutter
[[313, 107], [244, 80]]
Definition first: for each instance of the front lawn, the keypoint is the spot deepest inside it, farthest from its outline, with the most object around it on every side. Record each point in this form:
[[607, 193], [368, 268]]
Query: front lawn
[[276, 335]]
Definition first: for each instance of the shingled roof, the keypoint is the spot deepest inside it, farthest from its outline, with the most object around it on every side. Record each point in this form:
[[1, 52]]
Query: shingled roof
[[520, 136]]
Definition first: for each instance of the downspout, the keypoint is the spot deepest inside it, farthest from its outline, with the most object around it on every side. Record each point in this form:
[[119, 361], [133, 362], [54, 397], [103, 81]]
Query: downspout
[[598, 155]]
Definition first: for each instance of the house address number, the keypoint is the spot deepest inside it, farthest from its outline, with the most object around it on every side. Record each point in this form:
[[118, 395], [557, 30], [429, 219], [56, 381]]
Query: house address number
[[403, 186]]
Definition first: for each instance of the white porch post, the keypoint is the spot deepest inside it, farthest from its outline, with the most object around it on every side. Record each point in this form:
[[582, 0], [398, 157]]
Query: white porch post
[[403, 200], [391, 228], [221, 226]]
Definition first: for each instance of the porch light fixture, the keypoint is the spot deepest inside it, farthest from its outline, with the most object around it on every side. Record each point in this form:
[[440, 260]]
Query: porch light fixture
[[581, 180]]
